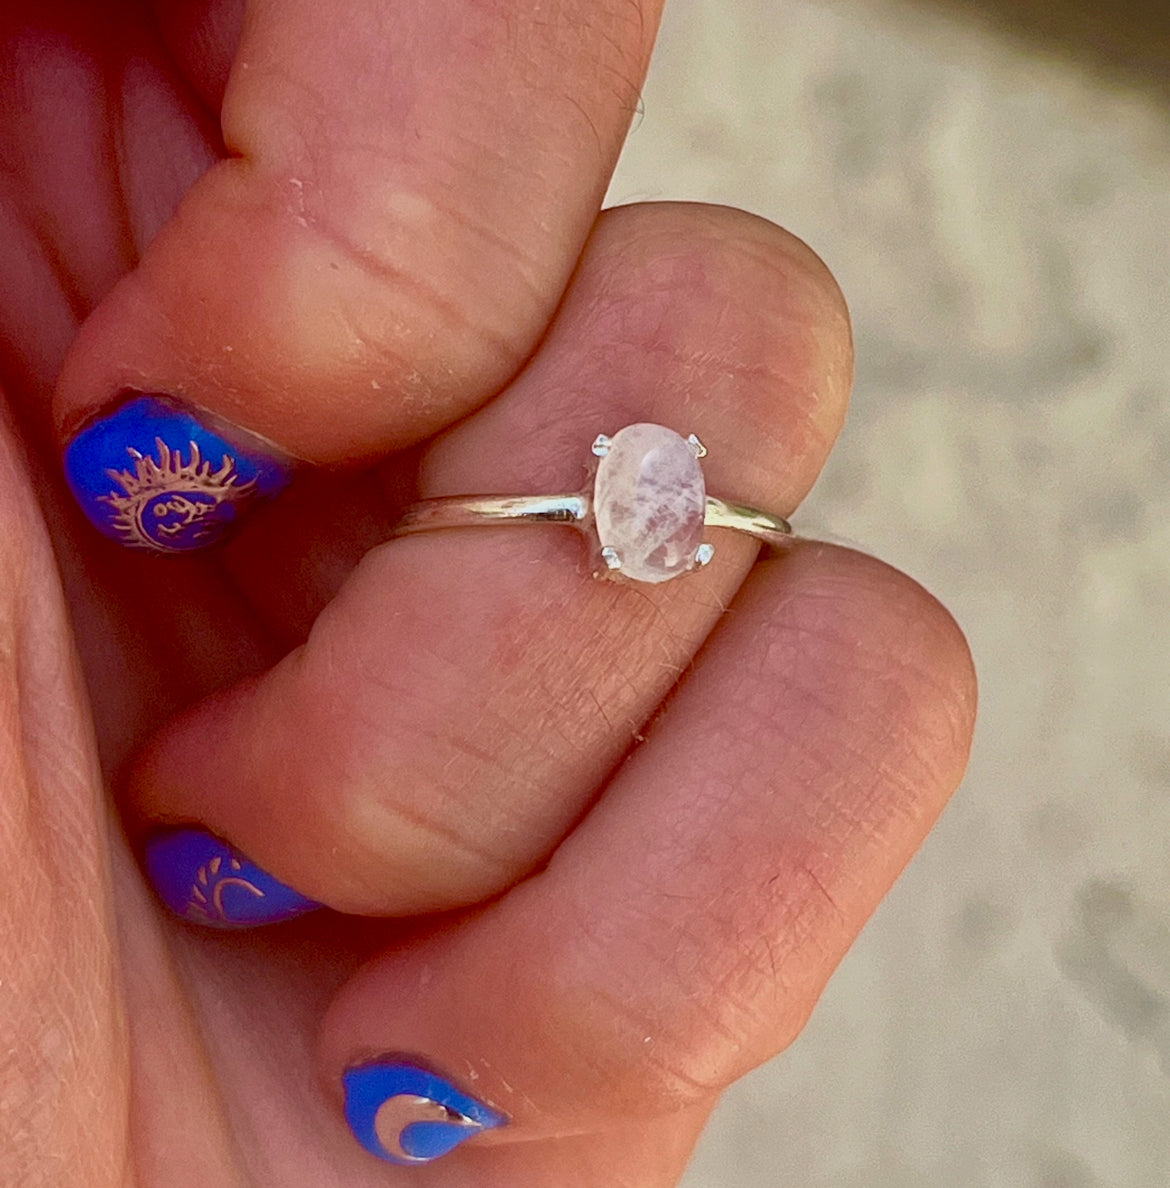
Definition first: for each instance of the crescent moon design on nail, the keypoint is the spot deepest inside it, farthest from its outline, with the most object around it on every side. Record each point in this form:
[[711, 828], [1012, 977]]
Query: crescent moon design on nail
[[397, 1114], [406, 1115]]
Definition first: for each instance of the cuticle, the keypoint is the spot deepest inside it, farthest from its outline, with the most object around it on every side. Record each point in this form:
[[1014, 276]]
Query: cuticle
[[212, 421]]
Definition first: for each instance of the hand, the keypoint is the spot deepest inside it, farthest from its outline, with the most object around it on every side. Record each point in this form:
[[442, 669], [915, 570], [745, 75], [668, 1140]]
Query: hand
[[615, 838]]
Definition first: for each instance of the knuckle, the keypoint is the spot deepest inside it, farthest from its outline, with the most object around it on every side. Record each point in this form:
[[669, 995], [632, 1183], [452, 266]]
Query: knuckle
[[866, 644]]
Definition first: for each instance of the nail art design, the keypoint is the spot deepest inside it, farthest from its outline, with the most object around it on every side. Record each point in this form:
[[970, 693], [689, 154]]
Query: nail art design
[[202, 878], [151, 476], [405, 1114]]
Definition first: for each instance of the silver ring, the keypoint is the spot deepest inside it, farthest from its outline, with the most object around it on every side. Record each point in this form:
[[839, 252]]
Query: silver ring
[[644, 513]]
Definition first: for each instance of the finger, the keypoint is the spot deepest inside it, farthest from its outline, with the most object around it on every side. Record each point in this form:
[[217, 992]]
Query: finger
[[201, 39], [62, 1030], [406, 196], [682, 934], [461, 699]]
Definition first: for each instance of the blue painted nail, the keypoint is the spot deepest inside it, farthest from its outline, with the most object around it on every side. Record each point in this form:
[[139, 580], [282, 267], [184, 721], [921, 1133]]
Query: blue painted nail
[[202, 878], [152, 476], [404, 1114]]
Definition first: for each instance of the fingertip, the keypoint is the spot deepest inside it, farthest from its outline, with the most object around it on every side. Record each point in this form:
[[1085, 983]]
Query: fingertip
[[403, 1113], [201, 878]]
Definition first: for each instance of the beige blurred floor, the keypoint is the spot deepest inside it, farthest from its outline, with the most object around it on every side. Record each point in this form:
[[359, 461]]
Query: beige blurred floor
[[999, 217]]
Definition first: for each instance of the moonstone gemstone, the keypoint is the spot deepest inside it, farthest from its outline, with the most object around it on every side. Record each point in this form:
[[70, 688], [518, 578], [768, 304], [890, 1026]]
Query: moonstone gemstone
[[649, 500]]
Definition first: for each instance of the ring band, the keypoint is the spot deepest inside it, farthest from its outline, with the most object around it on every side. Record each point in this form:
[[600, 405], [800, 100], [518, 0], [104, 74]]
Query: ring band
[[659, 513], [476, 511]]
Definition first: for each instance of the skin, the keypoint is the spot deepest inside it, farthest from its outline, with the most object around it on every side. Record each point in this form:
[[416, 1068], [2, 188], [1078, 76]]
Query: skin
[[598, 848]]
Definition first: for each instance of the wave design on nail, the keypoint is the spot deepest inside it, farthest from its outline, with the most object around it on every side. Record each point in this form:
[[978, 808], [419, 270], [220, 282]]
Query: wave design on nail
[[406, 1115], [153, 477], [205, 880]]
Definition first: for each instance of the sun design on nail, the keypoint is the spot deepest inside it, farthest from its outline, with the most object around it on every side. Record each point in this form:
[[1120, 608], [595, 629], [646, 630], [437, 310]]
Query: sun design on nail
[[211, 880], [174, 505]]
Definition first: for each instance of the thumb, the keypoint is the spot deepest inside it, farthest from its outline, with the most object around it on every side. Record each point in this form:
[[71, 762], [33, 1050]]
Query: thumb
[[62, 1032], [403, 205]]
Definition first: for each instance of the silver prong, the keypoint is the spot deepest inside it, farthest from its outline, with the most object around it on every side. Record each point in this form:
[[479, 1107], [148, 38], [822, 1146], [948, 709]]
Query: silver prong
[[696, 445], [610, 556], [703, 554], [602, 445]]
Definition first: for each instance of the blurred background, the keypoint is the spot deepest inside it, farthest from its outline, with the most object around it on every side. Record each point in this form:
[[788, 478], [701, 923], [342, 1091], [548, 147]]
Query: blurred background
[[991, 186]]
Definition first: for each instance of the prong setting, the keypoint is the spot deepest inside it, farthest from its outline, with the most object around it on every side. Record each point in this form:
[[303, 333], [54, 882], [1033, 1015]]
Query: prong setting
[[703, 554], [611, 558], [601, 445], [696, 445]]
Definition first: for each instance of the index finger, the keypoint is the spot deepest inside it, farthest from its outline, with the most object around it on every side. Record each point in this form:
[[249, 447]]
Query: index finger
[[408, 192]]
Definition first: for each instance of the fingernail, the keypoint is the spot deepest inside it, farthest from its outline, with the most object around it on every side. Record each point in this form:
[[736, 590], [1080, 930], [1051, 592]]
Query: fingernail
[[203, 879], [153, 476], [405, 1114]]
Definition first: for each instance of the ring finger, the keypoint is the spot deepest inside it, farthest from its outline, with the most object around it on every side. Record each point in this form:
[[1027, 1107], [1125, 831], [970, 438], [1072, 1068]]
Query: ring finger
[[458, 703]]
